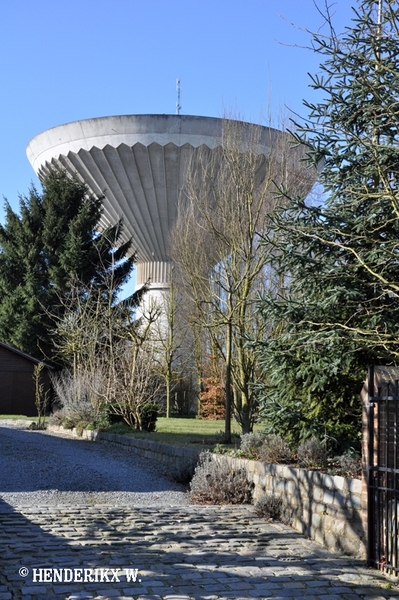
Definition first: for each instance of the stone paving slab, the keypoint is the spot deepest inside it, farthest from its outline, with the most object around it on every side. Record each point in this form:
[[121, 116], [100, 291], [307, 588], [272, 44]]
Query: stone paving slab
[[180, 553]]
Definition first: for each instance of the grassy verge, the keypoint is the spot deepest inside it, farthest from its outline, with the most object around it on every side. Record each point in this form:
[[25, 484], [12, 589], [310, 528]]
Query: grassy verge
[[185, 431], [19, 418]]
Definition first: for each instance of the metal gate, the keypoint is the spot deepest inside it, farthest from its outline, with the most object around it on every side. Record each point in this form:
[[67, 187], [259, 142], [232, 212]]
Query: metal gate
[[383, 468]]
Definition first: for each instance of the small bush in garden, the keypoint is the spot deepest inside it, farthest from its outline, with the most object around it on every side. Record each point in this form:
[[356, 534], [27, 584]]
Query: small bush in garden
[[120, 428], [80, 427], [101, 422], [215, 482], [275, 450], [75, 396], [235, 452], [251, 443], [37, 426], [149, 416], [350, 462], [212, 404], [220, 449], [269, 506], [57, 417], [312, 453], [68, 423], [113, 418]]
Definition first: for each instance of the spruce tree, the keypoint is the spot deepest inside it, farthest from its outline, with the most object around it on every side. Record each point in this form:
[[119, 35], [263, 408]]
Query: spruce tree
[[50, 246], [339, 309]]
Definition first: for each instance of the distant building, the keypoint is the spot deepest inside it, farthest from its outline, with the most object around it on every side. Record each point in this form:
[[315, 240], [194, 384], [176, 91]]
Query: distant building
[[17, 386]]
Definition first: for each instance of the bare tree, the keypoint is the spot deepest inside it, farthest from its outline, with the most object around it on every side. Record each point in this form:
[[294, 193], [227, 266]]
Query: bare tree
[[107, 351], [135, 381], [226, 207], [110, 358], [173, 342]]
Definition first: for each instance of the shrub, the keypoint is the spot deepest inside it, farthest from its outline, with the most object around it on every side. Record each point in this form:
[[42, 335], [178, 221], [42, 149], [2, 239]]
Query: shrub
[[112, 417], [101, 422], [120, 428], [312, 453], [251, 443], [75, 396], [212, 399], [57, 417], [275, 450], [68, 423], [267, 447], [215, 482], [148, 416], [270, 507], [39, 426], [350, 462]]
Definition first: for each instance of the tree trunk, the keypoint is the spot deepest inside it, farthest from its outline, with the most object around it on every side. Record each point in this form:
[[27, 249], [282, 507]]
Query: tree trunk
[[228, 392], [245, 417], [168, 386]]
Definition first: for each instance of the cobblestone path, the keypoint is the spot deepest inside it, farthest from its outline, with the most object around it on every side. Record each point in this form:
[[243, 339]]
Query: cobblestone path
[[180, 553]]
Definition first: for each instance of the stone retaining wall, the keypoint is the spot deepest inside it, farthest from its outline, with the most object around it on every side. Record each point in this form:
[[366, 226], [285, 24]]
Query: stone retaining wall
[[174, 457], [324, 507]]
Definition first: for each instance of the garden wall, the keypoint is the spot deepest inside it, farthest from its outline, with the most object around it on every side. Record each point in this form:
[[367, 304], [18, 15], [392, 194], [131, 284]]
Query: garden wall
[[172, 456], [324, 507]]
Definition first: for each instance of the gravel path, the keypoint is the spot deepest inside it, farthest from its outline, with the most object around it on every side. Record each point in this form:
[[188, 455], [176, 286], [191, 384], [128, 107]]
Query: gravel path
[[73, 513], [40, 468]]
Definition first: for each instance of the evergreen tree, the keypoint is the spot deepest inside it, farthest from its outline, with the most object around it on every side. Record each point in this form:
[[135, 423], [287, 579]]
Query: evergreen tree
[[44, 250], [339, 310]]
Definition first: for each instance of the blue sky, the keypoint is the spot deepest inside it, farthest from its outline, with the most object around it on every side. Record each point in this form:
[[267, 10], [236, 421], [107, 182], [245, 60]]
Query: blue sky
[[63, 61]]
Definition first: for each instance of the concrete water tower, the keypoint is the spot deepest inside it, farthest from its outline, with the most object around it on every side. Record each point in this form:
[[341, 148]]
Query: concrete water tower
[[139, 162]]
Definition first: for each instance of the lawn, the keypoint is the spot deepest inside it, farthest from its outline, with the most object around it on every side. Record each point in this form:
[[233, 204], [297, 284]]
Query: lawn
[[186, 431], [18, 418], [183, 431]]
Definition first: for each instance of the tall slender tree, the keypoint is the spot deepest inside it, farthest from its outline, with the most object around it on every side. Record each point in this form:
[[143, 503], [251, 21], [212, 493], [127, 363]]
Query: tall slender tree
[[339, 259], [52, 242], [228, 200]]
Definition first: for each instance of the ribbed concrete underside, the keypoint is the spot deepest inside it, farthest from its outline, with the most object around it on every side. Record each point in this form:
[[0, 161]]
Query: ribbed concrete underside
[[139, 162], [141, 184]]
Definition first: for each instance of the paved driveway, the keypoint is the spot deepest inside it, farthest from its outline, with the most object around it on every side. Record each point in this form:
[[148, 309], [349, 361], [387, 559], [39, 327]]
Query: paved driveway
[[110, 550]]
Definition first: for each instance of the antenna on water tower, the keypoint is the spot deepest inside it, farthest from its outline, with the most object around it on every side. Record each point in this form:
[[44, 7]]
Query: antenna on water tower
[[178, 105], [379, 12]]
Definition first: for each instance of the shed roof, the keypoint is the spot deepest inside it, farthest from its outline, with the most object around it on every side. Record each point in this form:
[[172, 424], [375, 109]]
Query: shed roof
[[24, 355]]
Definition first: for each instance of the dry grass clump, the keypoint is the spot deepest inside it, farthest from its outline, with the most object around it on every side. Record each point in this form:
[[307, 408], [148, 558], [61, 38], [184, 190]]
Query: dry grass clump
[[350, 463], [215, 482], [312, 453], [251, 443], [275, 450], [269, 507], [270, 448], [76, 397]]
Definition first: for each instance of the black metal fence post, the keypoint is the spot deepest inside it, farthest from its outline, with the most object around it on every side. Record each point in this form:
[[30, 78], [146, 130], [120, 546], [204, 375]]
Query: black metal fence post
[[370, 460]]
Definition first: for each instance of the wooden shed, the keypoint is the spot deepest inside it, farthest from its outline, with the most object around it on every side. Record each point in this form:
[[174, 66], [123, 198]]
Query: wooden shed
[[17, 385]]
